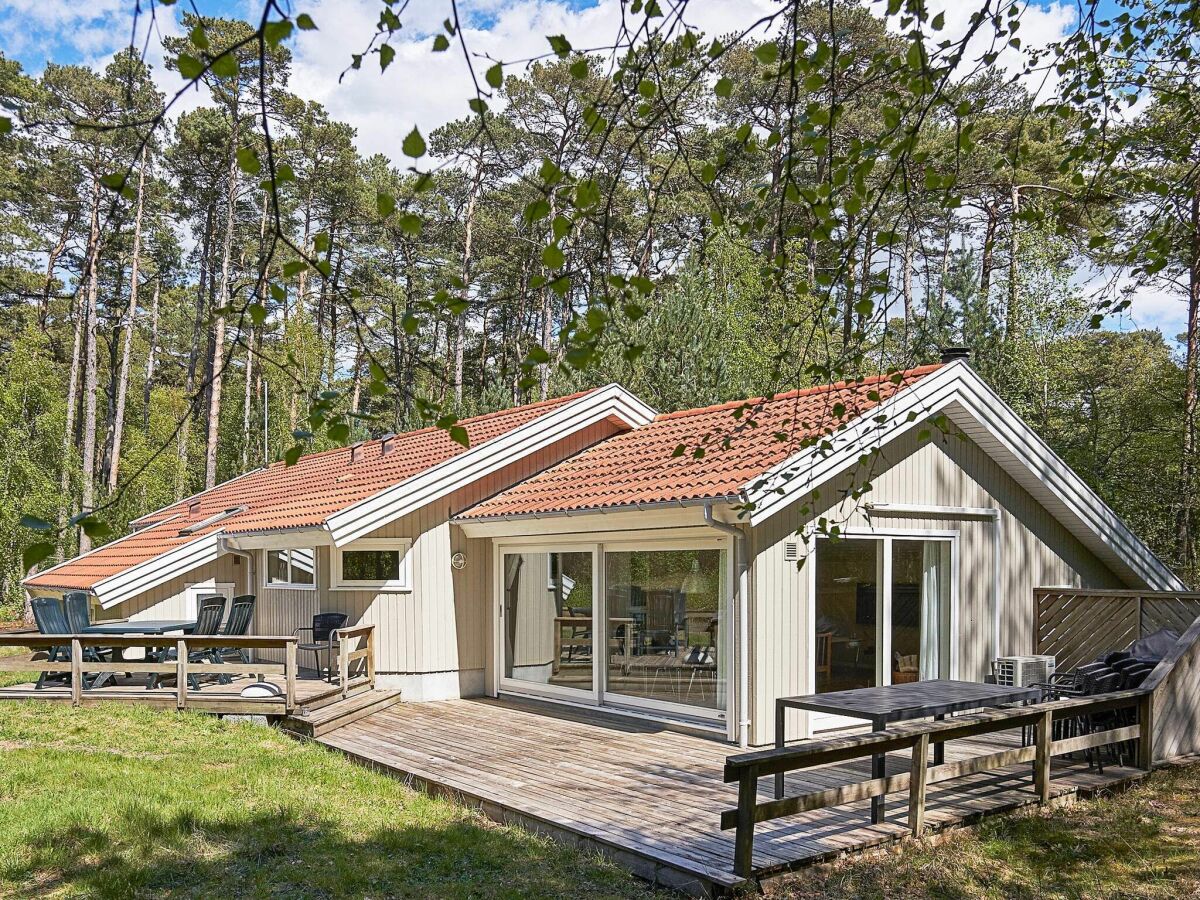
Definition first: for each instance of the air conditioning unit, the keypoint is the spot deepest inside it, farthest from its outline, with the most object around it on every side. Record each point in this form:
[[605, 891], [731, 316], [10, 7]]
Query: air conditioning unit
[[1022, 671]]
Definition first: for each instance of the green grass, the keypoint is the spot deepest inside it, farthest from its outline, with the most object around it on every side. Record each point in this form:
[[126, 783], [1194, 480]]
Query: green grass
[[116, 801], [1144, 843]]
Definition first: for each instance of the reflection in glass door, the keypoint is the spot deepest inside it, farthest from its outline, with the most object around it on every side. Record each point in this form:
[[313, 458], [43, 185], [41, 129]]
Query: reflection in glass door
[[863, 636], [548, 633]]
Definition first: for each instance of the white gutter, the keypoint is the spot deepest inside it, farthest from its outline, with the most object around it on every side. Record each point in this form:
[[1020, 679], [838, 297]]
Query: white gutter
[[989, 513], [742, 548]]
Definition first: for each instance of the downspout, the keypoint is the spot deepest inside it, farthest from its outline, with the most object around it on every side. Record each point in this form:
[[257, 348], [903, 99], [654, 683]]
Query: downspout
[[742, 550], [990, 513], [224, 546]]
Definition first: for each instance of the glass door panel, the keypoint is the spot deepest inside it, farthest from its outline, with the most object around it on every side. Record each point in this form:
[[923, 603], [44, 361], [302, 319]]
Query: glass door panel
[[548, 630], [665, 626], [920, 607], [847, 610]]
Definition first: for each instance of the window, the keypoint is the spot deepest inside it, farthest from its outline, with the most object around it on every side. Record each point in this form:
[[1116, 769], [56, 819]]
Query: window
[[292, 568], [373, 563]]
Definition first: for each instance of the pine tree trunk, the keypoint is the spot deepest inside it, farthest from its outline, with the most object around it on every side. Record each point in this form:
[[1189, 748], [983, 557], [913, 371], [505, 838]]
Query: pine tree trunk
[[1012, 321], [114, 461], [90, 352], [547, 324], [248, 400], [194, 353], [68, 441], [460, 325], [989, 248], [151, 353], [51, 262], [1186, 529], [218, 337]]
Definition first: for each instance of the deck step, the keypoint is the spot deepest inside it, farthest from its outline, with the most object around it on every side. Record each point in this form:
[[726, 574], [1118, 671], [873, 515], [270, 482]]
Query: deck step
[[325, 719], [329, 697]]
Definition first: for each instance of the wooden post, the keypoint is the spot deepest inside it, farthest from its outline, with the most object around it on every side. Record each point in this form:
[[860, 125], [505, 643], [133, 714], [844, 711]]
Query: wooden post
[[916, 785], [76, 672], [289, 674], [1145, 714], [181, 681], [371, 657], [344, 667], [1041, 771], [743, 846]]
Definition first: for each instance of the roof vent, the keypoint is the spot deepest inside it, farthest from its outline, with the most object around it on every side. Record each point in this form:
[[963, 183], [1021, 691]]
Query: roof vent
[[951, 354], [356, 451], [193, 507], [387, 444]]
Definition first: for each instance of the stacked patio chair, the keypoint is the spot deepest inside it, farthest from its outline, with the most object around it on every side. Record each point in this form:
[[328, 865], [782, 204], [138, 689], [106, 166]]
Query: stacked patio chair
[[208, 622], [78, 606], [241, 614], [1089, 680], [50, 617], [324, 633]]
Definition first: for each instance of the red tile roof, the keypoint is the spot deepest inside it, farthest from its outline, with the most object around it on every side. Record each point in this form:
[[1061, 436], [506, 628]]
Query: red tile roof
[[280, 496], [741, 441]]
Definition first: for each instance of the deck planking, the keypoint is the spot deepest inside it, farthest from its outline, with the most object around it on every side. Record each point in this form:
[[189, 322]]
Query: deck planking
[[651, 797]]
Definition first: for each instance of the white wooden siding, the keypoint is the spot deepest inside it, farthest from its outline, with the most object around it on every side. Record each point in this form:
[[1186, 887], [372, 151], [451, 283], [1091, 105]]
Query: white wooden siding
[[945, 471]]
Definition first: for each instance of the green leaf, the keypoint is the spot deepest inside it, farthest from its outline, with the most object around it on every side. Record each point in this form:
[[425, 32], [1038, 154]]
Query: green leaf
[[552, 257], [477, 106], [410, 224], [225, 65], [495, 75], [257, 312], [35, 553], [767, 53], [294, 267], [441, 43], [579, 69], [338, 432], [293, 454], [275, 33], [198, 37], [559, 44], [114, 181], [414, 144], [305, 23], [459, 435], [247, 160], [386, 55], [647, 88], [724, 87], [385, 204], [189, 67], [95, 529]]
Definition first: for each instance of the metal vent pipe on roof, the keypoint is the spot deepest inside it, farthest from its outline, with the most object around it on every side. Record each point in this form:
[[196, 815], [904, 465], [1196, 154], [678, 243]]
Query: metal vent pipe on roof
[[952, 354]]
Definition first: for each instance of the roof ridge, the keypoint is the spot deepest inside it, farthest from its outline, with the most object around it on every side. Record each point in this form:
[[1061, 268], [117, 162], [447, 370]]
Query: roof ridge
[[800, 392]]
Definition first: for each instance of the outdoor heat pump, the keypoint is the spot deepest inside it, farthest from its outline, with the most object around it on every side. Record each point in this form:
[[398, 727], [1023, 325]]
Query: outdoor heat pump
[[1022, 671]]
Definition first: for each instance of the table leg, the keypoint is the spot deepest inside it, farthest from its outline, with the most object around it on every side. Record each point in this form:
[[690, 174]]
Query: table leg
[[780, 741], [939, 749], [878, 770]]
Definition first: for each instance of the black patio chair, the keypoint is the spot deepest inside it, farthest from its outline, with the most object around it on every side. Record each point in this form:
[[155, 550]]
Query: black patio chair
[[51, 619], [241, 614], [78, 606], [324, 637], [208, 622]]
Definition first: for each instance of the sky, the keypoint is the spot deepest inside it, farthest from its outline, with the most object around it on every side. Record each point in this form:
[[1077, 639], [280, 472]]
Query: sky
[[424, 89]]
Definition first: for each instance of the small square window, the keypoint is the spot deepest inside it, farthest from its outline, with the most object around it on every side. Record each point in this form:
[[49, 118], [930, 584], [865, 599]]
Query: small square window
[[296, 567], [373, 564]]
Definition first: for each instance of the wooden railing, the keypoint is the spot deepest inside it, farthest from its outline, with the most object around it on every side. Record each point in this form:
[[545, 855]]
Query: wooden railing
[[746, 769], [1079, 625], [179, 668], [356, 657]]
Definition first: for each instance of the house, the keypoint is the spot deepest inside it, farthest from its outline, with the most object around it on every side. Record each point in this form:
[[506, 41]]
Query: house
[[709, 576]]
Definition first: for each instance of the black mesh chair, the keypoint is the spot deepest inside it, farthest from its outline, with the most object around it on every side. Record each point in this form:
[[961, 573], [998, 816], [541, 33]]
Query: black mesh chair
[[241, 614], [324, 638], [50, 617], [208, 622], [78, 605]]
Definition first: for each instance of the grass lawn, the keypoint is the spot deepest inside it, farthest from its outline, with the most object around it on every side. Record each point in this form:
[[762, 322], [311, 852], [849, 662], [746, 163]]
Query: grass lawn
[[115, 801], [1144, 843]]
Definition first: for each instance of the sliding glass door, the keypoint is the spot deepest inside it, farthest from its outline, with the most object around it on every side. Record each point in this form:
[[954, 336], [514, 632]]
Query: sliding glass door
[[640, 626], [881, 611]]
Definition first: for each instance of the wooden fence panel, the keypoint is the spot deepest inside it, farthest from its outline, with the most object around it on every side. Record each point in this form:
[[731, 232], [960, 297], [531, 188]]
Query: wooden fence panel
[[1169, 611], [1077, 626]]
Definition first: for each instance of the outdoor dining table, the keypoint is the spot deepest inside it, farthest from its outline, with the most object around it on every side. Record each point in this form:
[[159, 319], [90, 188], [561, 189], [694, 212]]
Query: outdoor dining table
[[937, 698], [145, 626]]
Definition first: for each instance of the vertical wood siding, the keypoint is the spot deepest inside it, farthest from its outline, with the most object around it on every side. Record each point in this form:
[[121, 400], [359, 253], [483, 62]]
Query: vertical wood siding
[[1036, 550]]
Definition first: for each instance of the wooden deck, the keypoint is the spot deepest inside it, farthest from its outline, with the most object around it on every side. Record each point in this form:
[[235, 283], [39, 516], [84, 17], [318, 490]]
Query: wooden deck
[[651, 798], [212, 697]]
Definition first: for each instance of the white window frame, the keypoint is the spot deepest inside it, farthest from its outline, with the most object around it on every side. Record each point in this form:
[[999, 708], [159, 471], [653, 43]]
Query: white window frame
[[287, 585], [403, 584]]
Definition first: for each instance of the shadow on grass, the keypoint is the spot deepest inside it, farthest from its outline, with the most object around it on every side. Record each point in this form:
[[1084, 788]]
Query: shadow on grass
[[145, 853]]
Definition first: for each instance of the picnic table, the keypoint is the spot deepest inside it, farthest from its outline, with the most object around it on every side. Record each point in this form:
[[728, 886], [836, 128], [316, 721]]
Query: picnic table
[[144, 626], [936, 698]]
